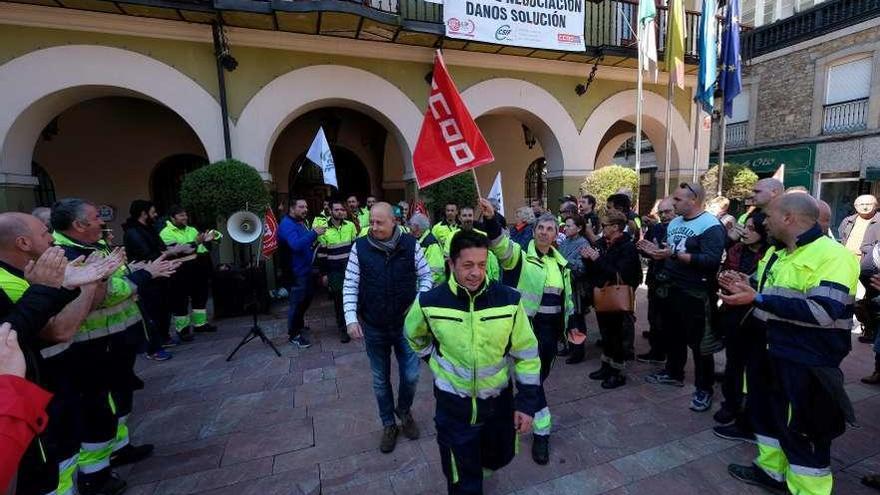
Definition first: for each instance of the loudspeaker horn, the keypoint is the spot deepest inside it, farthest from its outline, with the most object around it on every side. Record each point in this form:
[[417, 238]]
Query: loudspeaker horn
[[244, 227]]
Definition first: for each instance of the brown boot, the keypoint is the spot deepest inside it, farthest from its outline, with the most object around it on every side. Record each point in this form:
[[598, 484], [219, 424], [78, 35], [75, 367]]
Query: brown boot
[[874, 378]]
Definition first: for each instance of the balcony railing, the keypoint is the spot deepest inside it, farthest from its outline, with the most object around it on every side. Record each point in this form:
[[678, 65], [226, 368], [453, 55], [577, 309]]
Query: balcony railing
[[737, 134], [821, 19], [846, 116]]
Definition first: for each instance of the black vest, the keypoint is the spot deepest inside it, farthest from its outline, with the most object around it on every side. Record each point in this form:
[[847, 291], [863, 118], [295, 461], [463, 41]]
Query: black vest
[[387, 284]]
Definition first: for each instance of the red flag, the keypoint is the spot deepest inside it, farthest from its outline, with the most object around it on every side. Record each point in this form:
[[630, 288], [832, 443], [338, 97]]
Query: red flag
[[450, 141], [270, 234]]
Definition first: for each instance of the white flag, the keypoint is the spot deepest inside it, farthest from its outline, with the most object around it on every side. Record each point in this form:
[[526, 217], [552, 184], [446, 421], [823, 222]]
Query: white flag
[[495, 193], [319, 154], [648, 37]]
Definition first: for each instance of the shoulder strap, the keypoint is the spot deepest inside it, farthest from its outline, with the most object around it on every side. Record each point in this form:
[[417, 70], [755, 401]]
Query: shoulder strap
[[770, 262]]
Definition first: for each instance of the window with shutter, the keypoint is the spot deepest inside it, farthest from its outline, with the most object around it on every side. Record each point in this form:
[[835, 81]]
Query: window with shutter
[[849, 81]]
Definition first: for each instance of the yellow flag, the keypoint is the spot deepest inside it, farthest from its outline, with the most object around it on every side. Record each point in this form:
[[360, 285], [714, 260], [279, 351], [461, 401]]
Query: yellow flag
[[675, 43]]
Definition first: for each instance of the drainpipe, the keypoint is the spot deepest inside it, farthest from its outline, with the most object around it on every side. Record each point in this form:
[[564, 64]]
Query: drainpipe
[[221, 81]]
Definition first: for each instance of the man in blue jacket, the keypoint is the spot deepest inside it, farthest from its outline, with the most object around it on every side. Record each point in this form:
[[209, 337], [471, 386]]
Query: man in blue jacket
[[295, 232]]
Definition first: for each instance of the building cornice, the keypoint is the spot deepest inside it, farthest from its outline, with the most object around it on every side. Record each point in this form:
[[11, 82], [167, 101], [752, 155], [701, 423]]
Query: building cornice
[[869, 24], [99, 22]]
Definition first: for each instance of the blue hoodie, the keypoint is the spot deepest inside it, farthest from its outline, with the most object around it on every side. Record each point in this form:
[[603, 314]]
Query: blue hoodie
[[301, 241]]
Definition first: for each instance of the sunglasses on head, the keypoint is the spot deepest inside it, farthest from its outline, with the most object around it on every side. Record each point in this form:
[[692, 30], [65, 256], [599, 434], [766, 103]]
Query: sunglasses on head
[[687, 186]]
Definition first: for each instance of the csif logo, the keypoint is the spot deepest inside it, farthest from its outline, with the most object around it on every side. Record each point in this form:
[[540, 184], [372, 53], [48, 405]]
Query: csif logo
[[503, 32]]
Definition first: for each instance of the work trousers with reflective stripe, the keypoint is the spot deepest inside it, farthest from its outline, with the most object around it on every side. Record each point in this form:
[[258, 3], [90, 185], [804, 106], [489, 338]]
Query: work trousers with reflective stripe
[[50, 464], [92, 366], [468, 450], [548, 330], [785, 455], [190, 284], [124, 347]]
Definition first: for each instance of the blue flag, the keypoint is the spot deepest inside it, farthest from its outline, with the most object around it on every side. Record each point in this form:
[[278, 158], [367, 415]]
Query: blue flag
[[707, 43], [730, 80]]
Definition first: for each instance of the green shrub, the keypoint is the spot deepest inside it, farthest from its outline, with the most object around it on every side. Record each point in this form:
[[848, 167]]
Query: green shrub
[[608, 180], [222, 188], [459, 189], [739, 180]]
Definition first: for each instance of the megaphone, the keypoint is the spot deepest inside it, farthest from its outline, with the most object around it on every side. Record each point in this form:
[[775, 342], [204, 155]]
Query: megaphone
[[244, 227]]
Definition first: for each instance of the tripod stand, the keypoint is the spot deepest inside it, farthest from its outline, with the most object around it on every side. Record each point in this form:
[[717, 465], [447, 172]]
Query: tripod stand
[[255, 330]]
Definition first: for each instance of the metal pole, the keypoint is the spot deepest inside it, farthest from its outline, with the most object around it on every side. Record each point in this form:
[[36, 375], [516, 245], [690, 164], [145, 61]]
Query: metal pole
[[221, 81], [723, 145], [697, 125], [639, 114], [669, 95]]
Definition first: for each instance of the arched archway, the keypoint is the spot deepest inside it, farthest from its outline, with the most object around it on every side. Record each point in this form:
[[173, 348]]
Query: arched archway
[[536, 181], [84, 72], [622, 107], [44, 192], [167, 177], [298, 92]]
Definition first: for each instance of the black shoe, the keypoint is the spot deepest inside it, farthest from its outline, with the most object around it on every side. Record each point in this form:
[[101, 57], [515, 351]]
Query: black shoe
[[576, 356], [389, 439], [206, 328], [111, 486], [651, 358], [541, 449], [725, 416], [866, 339], [601, 373], [565, 351], [130, 453], [756, 476], [614, 380], [408, 426], [599, 343], [344, 337], [186, 335], [734, 432]]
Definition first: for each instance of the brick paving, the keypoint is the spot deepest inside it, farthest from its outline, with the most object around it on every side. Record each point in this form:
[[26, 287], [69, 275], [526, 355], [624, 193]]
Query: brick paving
[[307, 423]]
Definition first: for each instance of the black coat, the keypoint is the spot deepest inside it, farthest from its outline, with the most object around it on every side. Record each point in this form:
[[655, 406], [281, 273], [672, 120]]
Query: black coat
[[142, 242], [621, 257]]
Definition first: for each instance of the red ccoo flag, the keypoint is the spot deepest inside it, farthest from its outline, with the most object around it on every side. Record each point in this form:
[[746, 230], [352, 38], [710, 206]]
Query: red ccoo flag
[[450, 141], [270, 234]]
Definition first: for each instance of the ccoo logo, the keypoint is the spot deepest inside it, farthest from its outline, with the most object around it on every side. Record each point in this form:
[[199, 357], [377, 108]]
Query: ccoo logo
[[503, 33]]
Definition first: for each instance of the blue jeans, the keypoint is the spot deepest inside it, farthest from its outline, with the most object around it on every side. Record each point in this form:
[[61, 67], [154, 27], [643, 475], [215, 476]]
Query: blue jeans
[[301, 291], [379, 348]]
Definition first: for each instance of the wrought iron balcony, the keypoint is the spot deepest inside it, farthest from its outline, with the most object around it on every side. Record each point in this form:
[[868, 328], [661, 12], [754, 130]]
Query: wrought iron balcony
[[846, 116], [821, 19], [608, 28], [737, 134]]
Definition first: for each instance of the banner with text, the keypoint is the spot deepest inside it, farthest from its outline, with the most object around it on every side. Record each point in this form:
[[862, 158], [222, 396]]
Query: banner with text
[[546, 24]]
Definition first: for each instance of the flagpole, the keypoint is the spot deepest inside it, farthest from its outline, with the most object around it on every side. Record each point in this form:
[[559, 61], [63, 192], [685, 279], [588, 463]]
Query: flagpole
[[669, 94], [697, 125], [639, 90], [476, 183], [721, 148]]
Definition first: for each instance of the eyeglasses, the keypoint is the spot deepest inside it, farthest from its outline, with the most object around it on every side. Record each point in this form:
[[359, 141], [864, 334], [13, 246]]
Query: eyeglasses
[[687, 186]]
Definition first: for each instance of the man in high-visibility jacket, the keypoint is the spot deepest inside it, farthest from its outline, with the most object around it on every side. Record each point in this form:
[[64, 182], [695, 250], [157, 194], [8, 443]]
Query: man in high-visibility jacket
[[190, 283], [420, 228], [797, 402], [444, 229], [47, 318], [469, 330], [541, 275], [466, 222], [104, 352], [323, 217], [360, 216], [334, 246]]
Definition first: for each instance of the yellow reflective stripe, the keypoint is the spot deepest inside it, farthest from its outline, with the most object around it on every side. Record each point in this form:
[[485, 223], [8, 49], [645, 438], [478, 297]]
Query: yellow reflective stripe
[[541, 423], [109, 330], [453, 468], [809, 471], [527, 378], [334, 257], [832, 293], [529, 353]]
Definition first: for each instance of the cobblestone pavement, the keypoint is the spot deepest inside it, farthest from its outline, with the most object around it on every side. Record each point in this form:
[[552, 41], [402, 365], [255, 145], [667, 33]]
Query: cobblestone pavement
[[307, 423]]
